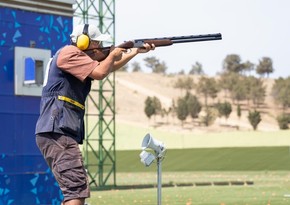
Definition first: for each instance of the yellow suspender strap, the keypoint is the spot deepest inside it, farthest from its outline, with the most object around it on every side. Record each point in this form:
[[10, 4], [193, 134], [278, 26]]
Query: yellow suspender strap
[[71, 101]]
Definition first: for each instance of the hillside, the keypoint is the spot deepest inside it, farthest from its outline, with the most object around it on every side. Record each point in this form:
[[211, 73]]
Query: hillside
[[133, 88]]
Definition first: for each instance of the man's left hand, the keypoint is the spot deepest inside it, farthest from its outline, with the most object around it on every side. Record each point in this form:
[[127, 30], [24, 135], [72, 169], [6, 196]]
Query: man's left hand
[[146, 47]]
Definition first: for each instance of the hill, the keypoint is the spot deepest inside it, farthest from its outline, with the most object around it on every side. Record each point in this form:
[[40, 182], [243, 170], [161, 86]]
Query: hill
[[133, 88]]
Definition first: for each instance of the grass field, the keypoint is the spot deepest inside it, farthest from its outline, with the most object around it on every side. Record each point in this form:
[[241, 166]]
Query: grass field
[[269, 188], [204, 176], [199, 169], [195, 196], [209, 159], [130, 137]]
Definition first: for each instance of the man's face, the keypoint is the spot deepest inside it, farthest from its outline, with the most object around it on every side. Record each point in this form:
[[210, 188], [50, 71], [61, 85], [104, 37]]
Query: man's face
[[95, 44], [94, 50]]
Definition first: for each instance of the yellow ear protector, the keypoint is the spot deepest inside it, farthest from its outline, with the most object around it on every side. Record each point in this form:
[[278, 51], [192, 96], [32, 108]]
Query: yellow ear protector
[[83, 41]]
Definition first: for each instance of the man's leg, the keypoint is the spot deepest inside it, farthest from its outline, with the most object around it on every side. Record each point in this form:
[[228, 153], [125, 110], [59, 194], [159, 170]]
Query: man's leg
[[64, 158]]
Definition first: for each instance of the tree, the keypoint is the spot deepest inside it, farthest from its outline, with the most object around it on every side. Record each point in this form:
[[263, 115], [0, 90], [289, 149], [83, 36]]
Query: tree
[[209, 117], [193, 105], [232, 63], [224, 109], [149, 107], [208, 87], [160, 68], [196, 69], [173, 109], [281, 92], [239, 91], [283, 121], [178, 84], [186, 83], [265, 66], [248, 84], [155, 65], [152, 106], [256, 90], [248, 66], [151, 62], [227, 81], [239, 111], [234, 84], [254, 118], [181, 72], [157, 105], [136, 67], [181, 109]]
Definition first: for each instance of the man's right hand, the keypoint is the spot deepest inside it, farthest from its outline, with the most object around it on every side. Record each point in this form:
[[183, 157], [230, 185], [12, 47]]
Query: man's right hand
[[117, 53]]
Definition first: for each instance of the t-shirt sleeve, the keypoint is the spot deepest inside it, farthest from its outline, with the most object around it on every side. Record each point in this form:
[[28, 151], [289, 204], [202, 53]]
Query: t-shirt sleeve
[[76, 62]]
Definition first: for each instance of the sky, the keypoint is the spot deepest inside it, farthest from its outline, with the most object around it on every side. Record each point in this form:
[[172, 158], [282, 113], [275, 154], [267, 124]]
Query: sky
[[252, 29]]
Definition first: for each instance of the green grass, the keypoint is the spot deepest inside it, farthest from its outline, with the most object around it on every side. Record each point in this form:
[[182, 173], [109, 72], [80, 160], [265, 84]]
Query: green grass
[[210, 159], [195, 196], [270, 188], [213, 159], [266, 167], [193, 158]]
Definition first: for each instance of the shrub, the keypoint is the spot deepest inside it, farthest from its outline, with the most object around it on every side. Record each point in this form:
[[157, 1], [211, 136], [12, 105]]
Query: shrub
[[254, 118], [283, 121]]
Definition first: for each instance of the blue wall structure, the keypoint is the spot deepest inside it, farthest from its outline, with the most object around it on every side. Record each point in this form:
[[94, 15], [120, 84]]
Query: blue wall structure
[[24, 176]]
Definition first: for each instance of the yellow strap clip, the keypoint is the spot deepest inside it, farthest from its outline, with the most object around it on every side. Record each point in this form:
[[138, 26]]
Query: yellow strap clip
[[71, 101]]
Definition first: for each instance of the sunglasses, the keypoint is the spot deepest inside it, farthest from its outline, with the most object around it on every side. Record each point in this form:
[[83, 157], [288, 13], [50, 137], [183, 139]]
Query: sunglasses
[[96, 43]]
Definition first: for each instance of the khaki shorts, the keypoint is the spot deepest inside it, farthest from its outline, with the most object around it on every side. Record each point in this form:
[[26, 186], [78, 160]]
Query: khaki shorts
[[64, 158]]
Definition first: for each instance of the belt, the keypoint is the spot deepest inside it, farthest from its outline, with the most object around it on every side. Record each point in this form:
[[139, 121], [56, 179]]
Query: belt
[[71, 101]]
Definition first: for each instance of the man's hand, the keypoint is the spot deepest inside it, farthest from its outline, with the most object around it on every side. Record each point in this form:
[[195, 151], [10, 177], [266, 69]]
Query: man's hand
[[146, 47], [117, 53]]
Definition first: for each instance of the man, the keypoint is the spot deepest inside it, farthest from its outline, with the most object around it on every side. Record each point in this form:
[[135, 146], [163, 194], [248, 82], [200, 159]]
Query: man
[[60, 127]]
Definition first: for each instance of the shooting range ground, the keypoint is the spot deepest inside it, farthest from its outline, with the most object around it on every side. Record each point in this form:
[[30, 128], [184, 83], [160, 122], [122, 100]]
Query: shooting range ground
[[196, 172], [270, 188]]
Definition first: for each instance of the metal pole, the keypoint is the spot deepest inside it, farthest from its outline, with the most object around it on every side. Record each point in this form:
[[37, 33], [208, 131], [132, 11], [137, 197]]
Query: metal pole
[[159, 183]]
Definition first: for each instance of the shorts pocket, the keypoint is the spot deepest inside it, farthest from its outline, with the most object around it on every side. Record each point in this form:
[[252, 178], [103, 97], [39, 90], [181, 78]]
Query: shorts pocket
[[72, 173]]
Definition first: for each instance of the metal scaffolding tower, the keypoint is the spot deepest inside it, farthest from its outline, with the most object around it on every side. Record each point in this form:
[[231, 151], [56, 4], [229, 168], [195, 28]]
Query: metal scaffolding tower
[[99, 145]]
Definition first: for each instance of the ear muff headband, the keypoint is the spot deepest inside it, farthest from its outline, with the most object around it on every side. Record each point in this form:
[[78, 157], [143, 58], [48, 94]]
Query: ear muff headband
[[83, 41]]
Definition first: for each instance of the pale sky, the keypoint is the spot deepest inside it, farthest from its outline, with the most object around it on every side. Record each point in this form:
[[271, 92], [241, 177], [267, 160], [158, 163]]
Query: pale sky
[[250, 28]]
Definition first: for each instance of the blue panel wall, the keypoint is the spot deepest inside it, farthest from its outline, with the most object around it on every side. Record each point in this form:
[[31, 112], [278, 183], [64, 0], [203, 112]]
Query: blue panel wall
[[24, 175]]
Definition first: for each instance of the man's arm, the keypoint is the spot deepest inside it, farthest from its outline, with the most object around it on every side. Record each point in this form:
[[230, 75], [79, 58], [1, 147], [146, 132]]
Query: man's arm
[[116, 59], [106, 66], [127, 56]]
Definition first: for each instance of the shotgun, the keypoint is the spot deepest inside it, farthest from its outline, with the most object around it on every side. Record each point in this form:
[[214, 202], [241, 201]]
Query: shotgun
[[158, 42]]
